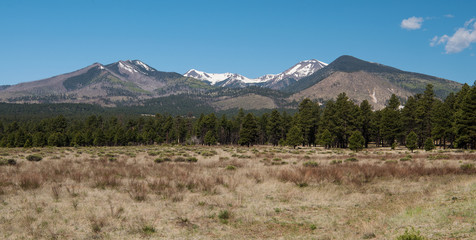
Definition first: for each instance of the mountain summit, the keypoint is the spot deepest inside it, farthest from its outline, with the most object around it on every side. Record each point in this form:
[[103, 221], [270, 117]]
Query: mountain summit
[[273, 81], [123, 81], [363, 80]]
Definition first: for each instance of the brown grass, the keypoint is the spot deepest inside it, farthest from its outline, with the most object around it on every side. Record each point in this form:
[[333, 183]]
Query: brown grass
[[272, 194], [359, 174]]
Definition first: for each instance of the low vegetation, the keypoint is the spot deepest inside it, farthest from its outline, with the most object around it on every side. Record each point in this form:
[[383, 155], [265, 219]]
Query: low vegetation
[[192, 192]]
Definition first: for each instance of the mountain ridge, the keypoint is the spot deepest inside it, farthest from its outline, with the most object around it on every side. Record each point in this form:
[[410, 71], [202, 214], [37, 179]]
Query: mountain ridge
[[131, 82], [273, 81]]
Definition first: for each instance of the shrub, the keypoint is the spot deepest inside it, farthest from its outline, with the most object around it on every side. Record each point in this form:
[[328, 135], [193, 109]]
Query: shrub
[[192, 159], [179, 159], [467, 167], [148, 229], [34, 158], [411, 235], [153, 153], [336, 162], [351, 159], [224, 215], [313, 227], [310, 164], [369, 236], [7, 162], [230, 167], [161, 160], [438, 156], [209, 153]]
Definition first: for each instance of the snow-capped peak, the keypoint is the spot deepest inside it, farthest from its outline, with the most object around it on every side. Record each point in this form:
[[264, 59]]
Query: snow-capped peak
[[296, 72], [213, 78], [145, 66], [127, 67]]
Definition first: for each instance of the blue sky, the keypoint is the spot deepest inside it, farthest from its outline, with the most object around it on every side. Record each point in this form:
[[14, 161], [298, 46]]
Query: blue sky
[[40, 39]]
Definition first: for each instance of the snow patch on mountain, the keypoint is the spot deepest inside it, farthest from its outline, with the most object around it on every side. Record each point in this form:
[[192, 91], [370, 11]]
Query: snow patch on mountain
[[127, 67], [296, 72], [145, 66], [214, 78]]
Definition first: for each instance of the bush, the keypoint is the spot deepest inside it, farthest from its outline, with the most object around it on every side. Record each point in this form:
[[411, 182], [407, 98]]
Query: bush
[[411, 235], [209, 153], [179, 159], [230, 167], [192, 159], [224, 215], [438, 156], [148, 229], [34, 158], [161, 160], [467, 167], [7, 162], [336, 162], [351, 160], [153, 153], [310, 164]]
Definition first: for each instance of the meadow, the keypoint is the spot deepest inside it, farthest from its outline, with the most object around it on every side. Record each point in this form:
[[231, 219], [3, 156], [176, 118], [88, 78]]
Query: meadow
[[232, 192]]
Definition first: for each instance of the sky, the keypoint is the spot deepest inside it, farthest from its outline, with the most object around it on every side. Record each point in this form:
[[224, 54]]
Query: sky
[[41, 39]]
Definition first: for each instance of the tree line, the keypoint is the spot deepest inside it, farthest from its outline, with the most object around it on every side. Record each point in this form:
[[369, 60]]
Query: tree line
[[339, 123]]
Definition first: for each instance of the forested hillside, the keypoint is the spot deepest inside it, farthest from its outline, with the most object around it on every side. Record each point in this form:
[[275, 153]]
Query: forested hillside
[[339, 123]]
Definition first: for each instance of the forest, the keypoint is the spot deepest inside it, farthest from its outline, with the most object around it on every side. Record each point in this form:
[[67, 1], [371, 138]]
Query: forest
[[423, 121]]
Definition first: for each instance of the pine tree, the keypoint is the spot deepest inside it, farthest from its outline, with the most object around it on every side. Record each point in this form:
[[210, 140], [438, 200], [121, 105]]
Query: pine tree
[[308, 118], [411, 141], [275, 128], [390, 124], [441, 121], [263, 129], [429, 145], [365, 121], [408, 115], [294, 136], [466, 121], [356, 141], [423, 113], [210, 138], [326, 138], [249, 131]]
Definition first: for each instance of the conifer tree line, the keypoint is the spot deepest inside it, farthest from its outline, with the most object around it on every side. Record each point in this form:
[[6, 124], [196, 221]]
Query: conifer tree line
[[340, 123]]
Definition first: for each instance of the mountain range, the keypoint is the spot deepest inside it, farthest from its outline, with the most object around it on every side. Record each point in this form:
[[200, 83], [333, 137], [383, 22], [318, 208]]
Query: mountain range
[[133, 82], [273, 81]]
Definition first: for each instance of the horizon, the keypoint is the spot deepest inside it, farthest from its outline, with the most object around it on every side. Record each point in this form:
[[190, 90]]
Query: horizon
[[50, 38]]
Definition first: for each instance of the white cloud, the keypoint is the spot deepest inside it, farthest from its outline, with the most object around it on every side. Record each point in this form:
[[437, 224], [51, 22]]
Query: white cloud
[[467, 23], [461, 39], [449, 16], [411, 23]]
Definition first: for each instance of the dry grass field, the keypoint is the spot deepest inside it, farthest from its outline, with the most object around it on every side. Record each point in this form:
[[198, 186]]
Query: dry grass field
[[230, 192]]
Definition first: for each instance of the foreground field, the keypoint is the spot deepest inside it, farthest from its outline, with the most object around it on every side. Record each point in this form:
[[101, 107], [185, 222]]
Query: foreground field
[[175, 192]]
